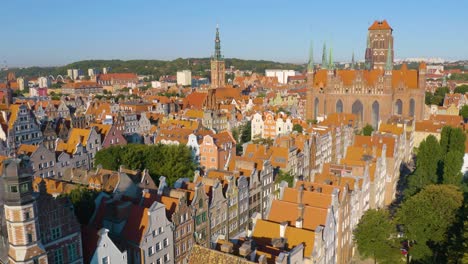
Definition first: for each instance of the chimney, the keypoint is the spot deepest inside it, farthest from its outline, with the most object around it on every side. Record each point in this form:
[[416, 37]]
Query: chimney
[[300, 193], [42, 187], [299, 222], [245, 249], [300, 210], [279, 243], [283, 226], [262, 259], [227, 247]]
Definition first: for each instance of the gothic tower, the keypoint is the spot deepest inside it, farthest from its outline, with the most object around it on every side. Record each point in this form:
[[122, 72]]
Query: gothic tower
[[379, 40], [21, 213], [217, 64]]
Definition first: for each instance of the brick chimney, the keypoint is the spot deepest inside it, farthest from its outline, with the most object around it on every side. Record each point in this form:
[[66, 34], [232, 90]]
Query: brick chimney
[[226, 247], [283, 226]]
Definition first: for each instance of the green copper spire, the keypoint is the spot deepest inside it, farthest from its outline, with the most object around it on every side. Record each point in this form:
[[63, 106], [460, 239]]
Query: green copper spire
[[352, 62], [217, 54], [324, 56], [310, 66], [389, 64], [331, 65]]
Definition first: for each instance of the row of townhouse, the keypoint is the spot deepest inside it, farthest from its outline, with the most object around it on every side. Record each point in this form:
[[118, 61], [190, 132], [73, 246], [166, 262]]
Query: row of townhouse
[[269, 124], [313, 221], [77, 151]]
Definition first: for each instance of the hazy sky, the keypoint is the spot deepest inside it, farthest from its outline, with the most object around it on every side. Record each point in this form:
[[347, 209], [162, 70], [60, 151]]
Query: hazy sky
[[46, 32]]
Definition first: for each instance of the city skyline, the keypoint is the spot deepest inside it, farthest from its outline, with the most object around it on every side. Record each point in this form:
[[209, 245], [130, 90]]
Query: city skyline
[[248, 31]]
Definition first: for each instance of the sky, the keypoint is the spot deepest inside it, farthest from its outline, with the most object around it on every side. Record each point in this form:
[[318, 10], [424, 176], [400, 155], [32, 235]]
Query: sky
[[57, 32]]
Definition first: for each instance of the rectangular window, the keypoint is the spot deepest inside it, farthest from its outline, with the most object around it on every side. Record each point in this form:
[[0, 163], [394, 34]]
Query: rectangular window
[[150, 251], [58, 256], [166, 258], [56, 233], [166, 242], [160, 230], [30, 238], [105, 260], [72, 252], [13, 188]]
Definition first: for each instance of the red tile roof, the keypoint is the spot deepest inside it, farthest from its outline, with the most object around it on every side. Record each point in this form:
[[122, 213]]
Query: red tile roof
[[380, 25]]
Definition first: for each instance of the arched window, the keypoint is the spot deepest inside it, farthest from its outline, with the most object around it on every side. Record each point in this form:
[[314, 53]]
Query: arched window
[[358, 109], [339, 106], [411, 107], [375, 114], [398, 107], [316, 108]]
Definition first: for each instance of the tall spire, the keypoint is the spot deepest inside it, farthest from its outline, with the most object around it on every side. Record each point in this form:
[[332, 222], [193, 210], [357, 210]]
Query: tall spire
[[217, 54], [331, 65], [324, 56], [310, 66], [389, 64], [352, 62]]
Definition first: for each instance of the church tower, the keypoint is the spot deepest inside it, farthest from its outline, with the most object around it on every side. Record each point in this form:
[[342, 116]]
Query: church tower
[[21, 213], [379, 41], [217, 64]]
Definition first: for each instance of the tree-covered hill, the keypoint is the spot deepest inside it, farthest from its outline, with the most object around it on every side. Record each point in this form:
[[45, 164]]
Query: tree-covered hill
[[198, 66]]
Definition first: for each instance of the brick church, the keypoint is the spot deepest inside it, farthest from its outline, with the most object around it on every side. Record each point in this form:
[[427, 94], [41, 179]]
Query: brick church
[[374, 93]]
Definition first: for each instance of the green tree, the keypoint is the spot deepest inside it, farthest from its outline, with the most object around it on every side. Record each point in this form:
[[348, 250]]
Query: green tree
[[246, 132], [453, 163], [284, 176], [171, 161], [457, 140], [367, 130], [462, 89], [375, 237], [83, 203], [297, 128], [445, 138], [427, 165], [464, 112], [426, 217]]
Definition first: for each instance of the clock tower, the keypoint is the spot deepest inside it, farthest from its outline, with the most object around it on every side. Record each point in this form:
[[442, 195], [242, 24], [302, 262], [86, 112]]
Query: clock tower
[[21, 213]]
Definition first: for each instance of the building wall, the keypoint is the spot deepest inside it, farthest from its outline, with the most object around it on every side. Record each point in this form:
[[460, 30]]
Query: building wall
[[208, 153], [106, 249], [159, 232], [184, 77], [59, 230], [282, 75]]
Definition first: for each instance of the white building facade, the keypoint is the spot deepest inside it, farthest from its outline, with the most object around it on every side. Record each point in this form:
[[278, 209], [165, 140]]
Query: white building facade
[[282, 75], [184, 77]]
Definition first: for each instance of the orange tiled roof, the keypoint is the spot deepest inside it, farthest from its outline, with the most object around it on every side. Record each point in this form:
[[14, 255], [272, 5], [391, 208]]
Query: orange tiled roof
[[313, 217], [77, 135], [380, 25], [404, 76], [27, 149], [111, 76], [378, 141], [265, 231], [14, 109], [315, 199], [391, 128]]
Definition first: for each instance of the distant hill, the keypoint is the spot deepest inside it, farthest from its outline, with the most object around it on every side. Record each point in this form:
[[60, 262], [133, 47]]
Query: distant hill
[[198, 66]]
